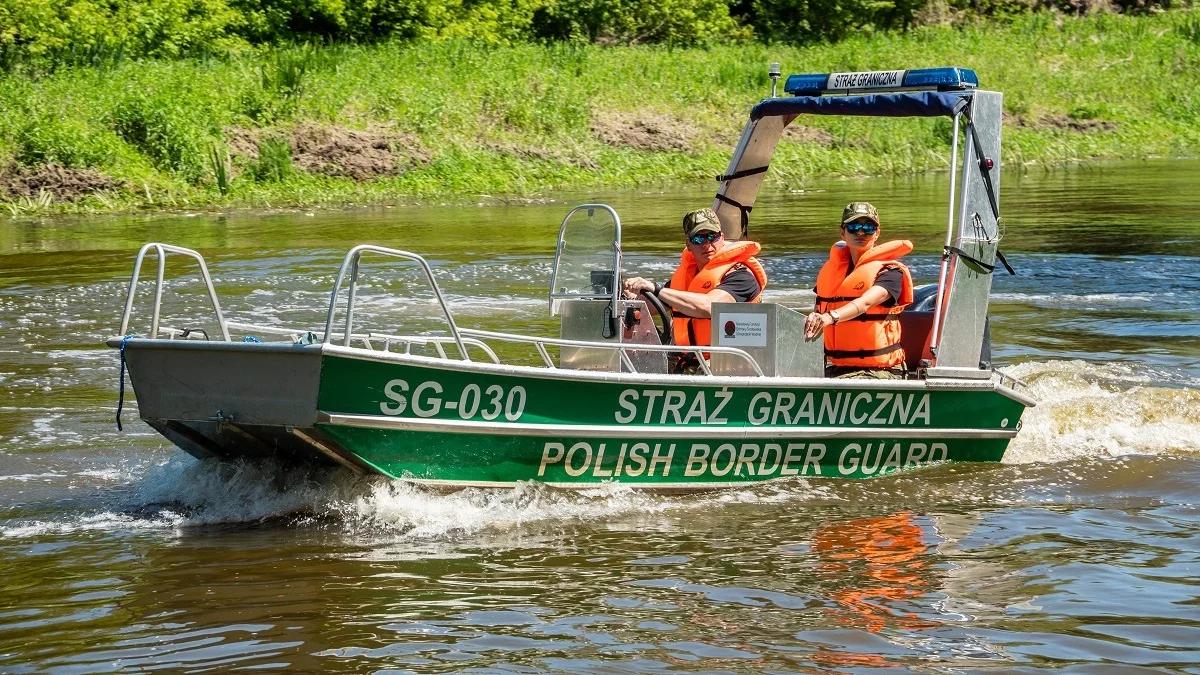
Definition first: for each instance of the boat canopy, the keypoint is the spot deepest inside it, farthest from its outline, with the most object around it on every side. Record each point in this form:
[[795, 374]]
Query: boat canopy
[[971, 252], [929, 92], [907, 104]]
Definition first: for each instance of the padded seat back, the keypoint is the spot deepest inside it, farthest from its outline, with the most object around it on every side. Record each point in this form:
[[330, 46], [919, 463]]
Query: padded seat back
[[916, 323], [914, 336]]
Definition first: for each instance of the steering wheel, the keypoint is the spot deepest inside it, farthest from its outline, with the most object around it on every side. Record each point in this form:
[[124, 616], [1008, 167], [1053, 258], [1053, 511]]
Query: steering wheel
[[666, 333]]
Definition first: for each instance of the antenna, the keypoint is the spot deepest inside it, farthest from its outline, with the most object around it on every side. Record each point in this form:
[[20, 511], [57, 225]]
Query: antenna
[[773, 72]]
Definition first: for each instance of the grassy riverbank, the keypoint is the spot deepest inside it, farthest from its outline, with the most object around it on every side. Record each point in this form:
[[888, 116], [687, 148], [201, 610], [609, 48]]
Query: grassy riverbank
[[404, 121]]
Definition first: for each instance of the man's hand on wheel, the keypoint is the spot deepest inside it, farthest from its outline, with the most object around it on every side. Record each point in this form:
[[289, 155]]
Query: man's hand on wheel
[[635, 285]]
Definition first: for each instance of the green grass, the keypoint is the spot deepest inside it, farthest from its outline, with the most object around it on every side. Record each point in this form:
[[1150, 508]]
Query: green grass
[[161, 127]]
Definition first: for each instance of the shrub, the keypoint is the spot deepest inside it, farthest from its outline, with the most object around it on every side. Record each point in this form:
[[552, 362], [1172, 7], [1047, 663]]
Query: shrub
[[274, 163], [680, 22], [1012, 8], [808, 21], [53, 139], [45, 35], [170, 132], [492, 22]]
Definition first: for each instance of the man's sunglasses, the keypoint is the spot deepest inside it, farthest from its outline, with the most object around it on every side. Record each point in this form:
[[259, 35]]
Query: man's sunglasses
[[862, 228], [704, 238]]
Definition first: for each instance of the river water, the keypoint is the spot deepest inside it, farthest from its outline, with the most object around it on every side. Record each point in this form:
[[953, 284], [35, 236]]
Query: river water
[[1081, 550]]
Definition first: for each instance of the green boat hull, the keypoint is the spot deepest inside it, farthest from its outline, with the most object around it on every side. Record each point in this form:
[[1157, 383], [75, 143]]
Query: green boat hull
[[441, 426]]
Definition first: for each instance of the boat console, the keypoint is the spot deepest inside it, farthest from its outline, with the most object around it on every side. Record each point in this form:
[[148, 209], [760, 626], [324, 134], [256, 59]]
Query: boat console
[[585, 291]]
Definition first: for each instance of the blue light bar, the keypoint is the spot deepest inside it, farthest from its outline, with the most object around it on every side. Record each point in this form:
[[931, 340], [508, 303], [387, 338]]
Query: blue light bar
[[941, 78], [869, 81], [805, 84]]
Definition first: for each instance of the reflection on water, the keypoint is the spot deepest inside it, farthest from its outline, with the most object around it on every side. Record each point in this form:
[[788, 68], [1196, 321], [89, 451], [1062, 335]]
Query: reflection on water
[[121, 553], [809, 572], [879, 561]]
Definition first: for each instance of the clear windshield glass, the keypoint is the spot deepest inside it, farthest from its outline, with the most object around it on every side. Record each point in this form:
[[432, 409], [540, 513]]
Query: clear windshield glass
[[588, 260]]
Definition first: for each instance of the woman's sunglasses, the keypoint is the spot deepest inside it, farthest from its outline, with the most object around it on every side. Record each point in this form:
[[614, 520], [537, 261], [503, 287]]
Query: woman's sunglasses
[[862, 228], [704, 238]]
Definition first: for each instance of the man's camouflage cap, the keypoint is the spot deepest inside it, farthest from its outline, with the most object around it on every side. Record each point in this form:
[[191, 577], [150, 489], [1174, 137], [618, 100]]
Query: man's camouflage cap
[[703, 220]]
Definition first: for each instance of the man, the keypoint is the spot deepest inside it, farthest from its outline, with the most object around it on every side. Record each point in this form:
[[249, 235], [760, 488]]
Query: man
[[710, 270], [861, 290]]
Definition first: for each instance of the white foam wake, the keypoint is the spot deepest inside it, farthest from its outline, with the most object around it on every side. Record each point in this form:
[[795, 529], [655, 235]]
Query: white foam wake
[[185, 493], [1104, 410], [1082, 300]]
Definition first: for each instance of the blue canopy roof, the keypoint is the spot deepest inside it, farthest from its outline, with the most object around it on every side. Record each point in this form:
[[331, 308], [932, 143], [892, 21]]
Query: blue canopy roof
[[907, 104]]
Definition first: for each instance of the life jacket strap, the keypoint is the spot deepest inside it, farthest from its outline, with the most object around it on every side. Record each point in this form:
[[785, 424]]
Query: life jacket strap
[[861, 353], [874, 317]]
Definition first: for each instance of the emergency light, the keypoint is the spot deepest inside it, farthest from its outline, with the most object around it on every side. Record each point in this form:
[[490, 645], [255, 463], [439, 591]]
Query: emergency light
[[940, 79]]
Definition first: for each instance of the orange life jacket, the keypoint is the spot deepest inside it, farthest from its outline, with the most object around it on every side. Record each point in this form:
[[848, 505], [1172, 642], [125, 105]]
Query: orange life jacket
[[872, 339], [690, 330]]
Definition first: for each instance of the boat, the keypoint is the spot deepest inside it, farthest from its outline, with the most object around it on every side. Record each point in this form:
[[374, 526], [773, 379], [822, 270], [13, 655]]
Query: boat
[[596, 404]]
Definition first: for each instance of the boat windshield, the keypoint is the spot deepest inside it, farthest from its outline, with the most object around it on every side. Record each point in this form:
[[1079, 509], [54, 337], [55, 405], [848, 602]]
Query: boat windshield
[[588, 259]]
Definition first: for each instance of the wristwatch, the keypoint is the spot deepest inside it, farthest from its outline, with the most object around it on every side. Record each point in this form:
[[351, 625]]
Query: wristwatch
[[658, 286], [833, 315]]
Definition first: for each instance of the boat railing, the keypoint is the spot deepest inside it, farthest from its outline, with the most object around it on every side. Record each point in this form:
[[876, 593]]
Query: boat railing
[[460, 338], [1009, 381], [370, 340], [161, 250], [350, 266], [478, 339], [622, 348]]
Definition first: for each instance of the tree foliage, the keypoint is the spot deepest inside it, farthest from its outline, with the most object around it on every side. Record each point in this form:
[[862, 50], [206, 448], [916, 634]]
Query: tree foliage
[[41, 34], [807, 21], [680, 22], [88, 32]]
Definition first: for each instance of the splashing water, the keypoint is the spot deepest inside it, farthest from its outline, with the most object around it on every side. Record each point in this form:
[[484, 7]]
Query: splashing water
[[1103, 410]]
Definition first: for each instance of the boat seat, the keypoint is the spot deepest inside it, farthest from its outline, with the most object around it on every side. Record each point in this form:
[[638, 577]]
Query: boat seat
[[914, 337], [916, 323]]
